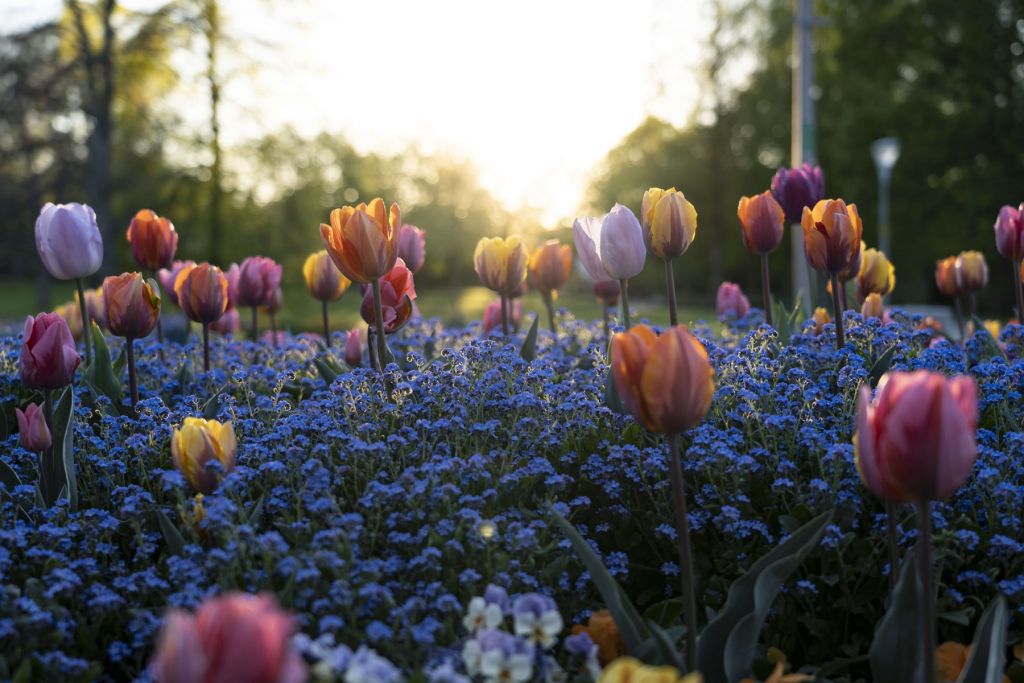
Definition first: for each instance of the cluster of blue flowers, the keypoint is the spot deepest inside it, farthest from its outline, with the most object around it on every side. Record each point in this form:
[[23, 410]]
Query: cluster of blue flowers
[[396, 514]]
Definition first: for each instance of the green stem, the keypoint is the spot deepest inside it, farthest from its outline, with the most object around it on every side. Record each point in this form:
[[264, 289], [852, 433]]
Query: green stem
[[924, 556], [685, 549], [607, 322], [972, 302], [625, 302], [959, 310], [504, 315], [378, 318], [46, 455], [159, 325], [670, 288], [255, 329], [837, 311], [327, 325], [86, 323], [206, 347], [133, 386], [549, 305], [766, 289], [273, 329], [1019, 289]]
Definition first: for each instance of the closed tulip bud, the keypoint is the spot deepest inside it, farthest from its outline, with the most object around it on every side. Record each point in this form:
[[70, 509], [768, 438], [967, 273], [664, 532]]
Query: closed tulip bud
[[48, 354], [229, 323], [132, 304], [72, 314], [669, 222], [608, 293], [971, 271], [611, 248], [1009, 229], [323, 279], [731, 302], [945, 276], [550, 266], [492, 315], [916, 440], [202, 447], [276, 302], [254, 281], [68, 240], [832, 235], [397, 292], [202, 293], [762, 220], [820, 318], [33, 434], [877, 274], [234, 637], [354, 348], [412, 247], [153, 240], [501, 263], [362, 239], [168, 276], [872, 306], [664, 381], [797, 188]]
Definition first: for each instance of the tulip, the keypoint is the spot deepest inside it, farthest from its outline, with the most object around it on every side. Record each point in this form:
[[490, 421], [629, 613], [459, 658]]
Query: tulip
[[133, 306], [362, 239], [549, 267], [832, 239], [197, 445], [33, 432], [168, 276], [493, 314], [397, 292], [229, 323], [669, 226], [611, 248], [153, 240], [234, 637], [872, 306], [354, 348], [1009, 229], [501, 265], [607, 294], [666, 382], [797, 188], [97, 310], [252, 284], [971, 273], [48, 354], [820, 319], [916, 442], [325, 284], [202, 293], [761, 218], [731, 302], [945, 280], [72, 315], [412, 247], [71, 248], [877, 274], [272, 308]]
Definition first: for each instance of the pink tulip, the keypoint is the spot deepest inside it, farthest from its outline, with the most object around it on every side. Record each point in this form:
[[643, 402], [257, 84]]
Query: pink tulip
[[730, 301], [48, 354], [1009, 230], [396, 293], [611, 248], [33, 434], [236, 637], [608, 293], [492, 315], [354, 348], [254, 281], [167, 277], [412, 247], [916, 440], [795, 188], [68, 240], [229, 323]]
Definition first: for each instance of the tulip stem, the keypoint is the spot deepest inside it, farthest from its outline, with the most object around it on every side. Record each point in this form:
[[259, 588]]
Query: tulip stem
[[959, 310], [607, 322], [625, 302], [550, 306], [670, 288], [206, 347], [686, 573], [46, 455], [972, 303], [86, 325], [255, 324], [1019, 289], [890, 532], [924, 566], [159, 325], [133, 386], [327, 324], [837, 311], [273, 329], [378, 318], [504, 315], [766, 289]]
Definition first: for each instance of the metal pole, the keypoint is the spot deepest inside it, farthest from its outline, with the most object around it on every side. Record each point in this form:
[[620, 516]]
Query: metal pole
[[802, 147], [884, 182]]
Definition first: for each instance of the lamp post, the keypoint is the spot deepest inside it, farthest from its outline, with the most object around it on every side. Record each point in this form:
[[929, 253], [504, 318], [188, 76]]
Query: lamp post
[[885, 153]]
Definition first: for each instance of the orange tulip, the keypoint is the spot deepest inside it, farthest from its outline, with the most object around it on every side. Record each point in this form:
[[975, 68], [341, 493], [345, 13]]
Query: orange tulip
[[669, 222], [202, 292], [550, 266], [832, 234], [820, 319], [132, 304], [945, 276], [872, 306], [362, 240], [665, 381], [762, 220], [153, 240]]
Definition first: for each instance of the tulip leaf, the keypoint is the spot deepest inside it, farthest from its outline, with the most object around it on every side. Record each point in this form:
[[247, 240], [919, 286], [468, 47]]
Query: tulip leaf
[[8, 477], [100, 372], [212, 408], [175, 541], [882, 365], [985, 663], [725, 651], [327, 368], [895, 652], [184, 376], [631, 625], [529, 349], [57, 463]]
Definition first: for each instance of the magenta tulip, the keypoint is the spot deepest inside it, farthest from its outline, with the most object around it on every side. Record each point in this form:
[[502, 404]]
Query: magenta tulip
[[33, 434], [795, 188], [1009, 229], [412, 247], [730, 301], [254, 282], [48, 354], [492, 315], [167, 277], [354, 348]]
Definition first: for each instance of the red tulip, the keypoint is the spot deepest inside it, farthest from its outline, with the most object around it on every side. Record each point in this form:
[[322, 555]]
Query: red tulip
[[153, 240], [396, 293], [33, 434], [254, 281], [236, 637], [48, 354], [916, 440], [762, 219], [1009, 228]]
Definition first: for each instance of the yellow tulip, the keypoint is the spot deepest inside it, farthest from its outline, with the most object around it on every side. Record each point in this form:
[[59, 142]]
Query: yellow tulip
[[832, 234], [971, 271], [877, 274], [669, 222], [198, 443], [323, 279], [629, 670], [501, 263]]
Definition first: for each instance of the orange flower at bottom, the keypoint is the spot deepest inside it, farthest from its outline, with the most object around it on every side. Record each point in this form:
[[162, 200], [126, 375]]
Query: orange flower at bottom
[[602, 629], [950, 660]]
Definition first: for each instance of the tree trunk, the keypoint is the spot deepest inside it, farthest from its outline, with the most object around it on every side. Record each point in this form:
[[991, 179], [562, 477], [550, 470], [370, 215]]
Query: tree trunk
[[213, 37]]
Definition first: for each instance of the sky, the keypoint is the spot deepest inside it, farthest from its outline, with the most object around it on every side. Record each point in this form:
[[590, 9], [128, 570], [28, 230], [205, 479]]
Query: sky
[[534, 92]]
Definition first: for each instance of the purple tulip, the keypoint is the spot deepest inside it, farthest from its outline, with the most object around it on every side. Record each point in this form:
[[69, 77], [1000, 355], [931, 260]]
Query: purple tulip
[[611, 248], [795, 188], [412, 247], [68, 240]]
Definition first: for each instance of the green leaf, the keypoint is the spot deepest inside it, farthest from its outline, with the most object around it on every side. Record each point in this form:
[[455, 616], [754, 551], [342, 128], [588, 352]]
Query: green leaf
[[212, 408], [631, 625], [529, 349], [665, 613], [257, 510], [895, 653], [985, 664], [882, 365], [327, 369], [8, 477], [175, 541], [100, 373], [184, 377], [57, 471], [725, 650]]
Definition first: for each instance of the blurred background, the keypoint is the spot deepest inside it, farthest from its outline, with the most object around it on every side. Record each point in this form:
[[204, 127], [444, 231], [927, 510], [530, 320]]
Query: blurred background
[[247, 121]]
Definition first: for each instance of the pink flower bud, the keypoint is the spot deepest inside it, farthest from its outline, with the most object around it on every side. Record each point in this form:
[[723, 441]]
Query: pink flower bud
[[412, 247], [33, 434], [730, 301], [254, 281], [354, 348], [48, 354], [1009, 230]]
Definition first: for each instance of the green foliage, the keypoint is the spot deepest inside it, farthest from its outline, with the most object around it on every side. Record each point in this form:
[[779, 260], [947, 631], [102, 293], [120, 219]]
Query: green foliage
[[895, 653], [985, 663], [529, 350]]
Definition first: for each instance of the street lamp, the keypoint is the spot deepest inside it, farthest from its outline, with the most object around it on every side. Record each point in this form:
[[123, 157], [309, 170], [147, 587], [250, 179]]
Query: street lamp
[[885, 152]]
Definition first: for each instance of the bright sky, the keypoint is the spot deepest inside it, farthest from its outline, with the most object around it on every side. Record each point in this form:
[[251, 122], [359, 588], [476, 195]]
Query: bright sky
[[535, 92]]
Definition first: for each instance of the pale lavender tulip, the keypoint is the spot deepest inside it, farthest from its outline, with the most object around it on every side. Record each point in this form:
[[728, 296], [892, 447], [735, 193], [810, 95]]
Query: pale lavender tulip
[[611, 248], [68, 240]]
